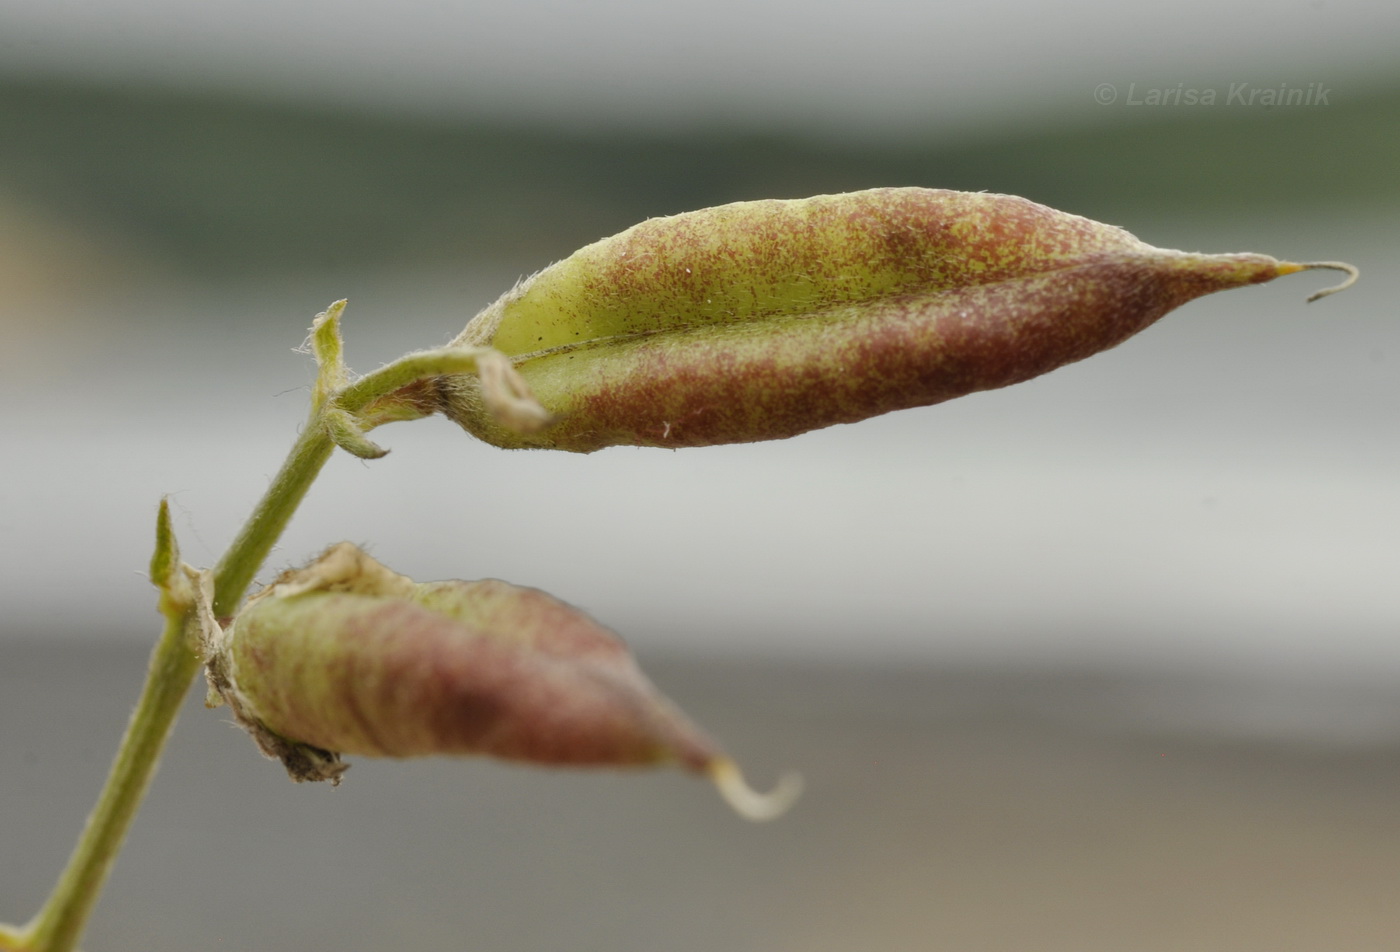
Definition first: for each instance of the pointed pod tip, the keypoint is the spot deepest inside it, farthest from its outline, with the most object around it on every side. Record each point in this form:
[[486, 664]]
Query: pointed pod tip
[[1352, 272], [748, 802]]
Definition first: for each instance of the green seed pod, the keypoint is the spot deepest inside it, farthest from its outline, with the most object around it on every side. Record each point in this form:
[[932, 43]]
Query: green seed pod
[[763, 320], [347, 657]]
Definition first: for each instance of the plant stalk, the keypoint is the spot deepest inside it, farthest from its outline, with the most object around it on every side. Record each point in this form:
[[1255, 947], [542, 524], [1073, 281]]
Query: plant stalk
[[260, 533], [176, 658], [174, 664]]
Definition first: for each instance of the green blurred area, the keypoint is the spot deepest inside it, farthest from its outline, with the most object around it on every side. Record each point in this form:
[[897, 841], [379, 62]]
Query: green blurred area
[[216, 187]]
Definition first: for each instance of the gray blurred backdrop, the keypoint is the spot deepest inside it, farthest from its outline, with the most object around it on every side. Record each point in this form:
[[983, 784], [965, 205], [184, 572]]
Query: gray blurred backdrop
[[1108, 660]]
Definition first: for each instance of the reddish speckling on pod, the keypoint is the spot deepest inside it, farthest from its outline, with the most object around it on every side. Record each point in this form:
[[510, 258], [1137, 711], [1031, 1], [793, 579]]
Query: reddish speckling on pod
[[763, 320], [345, 656]]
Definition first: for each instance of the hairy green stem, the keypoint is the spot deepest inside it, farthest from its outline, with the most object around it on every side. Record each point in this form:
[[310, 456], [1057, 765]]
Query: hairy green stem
[[260, 533], [176, 659], [409, 369], [173, 665]]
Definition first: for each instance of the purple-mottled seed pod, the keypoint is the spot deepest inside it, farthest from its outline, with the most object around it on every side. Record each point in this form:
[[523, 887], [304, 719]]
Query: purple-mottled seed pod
[[347, 657], [763, 320]]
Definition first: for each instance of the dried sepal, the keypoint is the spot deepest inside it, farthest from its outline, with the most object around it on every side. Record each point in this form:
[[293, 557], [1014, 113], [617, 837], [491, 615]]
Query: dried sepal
[[507, 397], [347, 656], [303, 762], [763, 320]]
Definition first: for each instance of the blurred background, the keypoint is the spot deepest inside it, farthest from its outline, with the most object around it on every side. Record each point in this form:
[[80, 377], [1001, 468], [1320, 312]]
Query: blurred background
[[1107, 660]]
